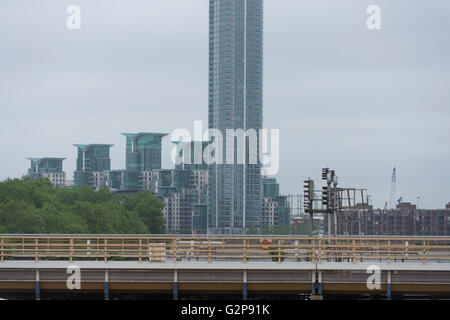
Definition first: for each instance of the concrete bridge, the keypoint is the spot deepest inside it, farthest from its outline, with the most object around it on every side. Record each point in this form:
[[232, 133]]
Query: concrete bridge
[[241, 267]]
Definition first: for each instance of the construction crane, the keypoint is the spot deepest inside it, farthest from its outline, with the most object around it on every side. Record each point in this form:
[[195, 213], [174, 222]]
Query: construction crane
[[393, 182]]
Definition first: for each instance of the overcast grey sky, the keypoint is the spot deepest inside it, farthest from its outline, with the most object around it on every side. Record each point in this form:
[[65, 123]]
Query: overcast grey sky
[[342, 96]]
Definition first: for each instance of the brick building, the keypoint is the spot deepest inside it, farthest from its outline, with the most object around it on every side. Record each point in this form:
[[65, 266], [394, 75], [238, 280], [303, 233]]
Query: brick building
[[404, 220]]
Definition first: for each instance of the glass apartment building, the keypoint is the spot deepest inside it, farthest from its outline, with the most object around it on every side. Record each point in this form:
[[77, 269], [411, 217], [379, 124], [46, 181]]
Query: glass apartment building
[[51, 168], [271, 188], [191, 155], [143, 156], [143, 151], [235, 102], [276, 208], [93, 162]]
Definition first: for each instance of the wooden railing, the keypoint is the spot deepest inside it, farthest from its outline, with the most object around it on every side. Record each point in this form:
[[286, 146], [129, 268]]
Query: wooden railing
[[276, 249]]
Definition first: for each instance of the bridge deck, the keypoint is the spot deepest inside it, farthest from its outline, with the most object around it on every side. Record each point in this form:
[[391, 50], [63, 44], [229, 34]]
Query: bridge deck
[[165, 264], [225, 265]]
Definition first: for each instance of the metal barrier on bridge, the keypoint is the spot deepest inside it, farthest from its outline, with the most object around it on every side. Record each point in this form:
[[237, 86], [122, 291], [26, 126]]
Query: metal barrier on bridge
[[222, 248]]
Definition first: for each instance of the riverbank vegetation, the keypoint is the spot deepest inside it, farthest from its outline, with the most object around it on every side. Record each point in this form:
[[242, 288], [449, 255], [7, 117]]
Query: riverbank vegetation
[[36, 206]]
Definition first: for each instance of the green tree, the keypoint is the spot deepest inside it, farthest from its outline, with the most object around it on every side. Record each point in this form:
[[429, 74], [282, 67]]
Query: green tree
[[149, 209], [35, 206], [21, 217]]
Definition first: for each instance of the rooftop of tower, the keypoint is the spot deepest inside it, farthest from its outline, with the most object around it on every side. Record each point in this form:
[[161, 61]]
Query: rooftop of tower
[[139, 134], [37, 160], [88, 146]]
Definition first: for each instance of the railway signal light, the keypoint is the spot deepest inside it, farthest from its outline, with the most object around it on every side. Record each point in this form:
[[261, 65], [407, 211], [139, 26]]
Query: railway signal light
[[308, 195], [331, 177], [325, 173], [325, 194]]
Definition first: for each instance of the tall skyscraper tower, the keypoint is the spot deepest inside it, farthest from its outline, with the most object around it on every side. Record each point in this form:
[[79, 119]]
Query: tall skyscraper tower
[[235, 102]]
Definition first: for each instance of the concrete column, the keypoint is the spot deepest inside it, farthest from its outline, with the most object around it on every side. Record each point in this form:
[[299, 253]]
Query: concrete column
[[313, 283], [106, 285], [244, 286], [175, 285], [319, 288], [83, 161], [388, 286], [37, 287]]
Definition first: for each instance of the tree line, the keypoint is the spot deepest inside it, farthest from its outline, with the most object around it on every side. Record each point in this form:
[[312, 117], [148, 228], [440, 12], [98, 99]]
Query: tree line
[[36, 206]]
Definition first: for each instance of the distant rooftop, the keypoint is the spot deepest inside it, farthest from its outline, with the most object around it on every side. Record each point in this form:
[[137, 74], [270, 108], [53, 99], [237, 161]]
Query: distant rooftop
[[87, 146], [36, 160], [192, 141], [135, 135]]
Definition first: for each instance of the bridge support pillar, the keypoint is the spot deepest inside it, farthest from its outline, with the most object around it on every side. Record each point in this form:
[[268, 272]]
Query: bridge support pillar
[[37, 287], [175, 291], [175, 285], [389, 286], [244, 291], [319, 284], [106, 286], [316, 285], [106, 290], [37, 290], [313, 283], [244, 286]]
